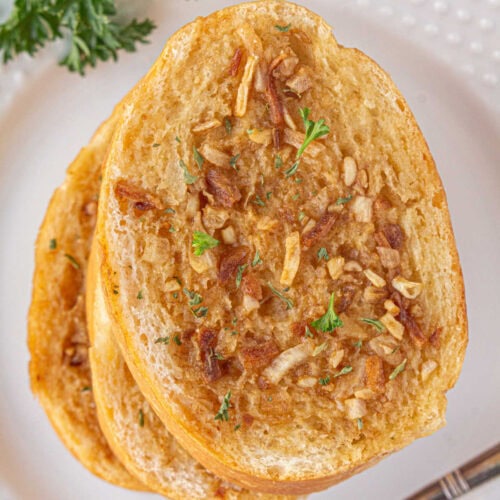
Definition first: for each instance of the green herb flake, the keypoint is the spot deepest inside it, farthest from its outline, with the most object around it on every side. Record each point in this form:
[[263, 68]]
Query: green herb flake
[[140, 295], [308, 333], [278, 162], [283, 29], [295, 197], [194, 298], [398, 370], [237, 426], [223, 413], [228, 125], [286, 300], [239, 274], [219, 356], [235, 320], [299, 181], [256, 260], [156, 145], [233, 161], [301, 216], [314, 130], [188, 178], [323, 254], [293, 169], [169, 211], [86, 388], [141, 418], [324, 381], [175, 295], [177, 139], [360, 424], [258, 201], [233, 333], [342, 201], [72, 261], [172, 229], [344, 371], [319, 349], [374, 322], [198, 158], [250, 131], [203, 241], [358, 344], [329, 321], [268, 195], [53, 244], [177, 340], [201, 312], [115, 290], [163, 340]]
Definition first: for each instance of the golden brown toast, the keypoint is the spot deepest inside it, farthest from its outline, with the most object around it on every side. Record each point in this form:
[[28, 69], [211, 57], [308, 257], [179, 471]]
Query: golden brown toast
[[278, 255]]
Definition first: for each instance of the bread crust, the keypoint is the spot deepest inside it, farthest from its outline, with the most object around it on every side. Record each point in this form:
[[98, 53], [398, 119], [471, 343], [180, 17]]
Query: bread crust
[[430, 247]]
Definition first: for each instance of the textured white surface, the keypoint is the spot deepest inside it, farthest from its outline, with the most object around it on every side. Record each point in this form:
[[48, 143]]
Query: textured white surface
[[444, 56]]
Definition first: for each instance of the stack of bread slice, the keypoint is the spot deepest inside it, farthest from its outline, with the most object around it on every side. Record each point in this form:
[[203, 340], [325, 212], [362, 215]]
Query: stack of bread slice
[[248, 286]]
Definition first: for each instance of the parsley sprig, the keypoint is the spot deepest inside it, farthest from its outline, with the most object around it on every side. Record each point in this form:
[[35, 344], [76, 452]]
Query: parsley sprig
[[92, 33], [330, 320], [223, 413], [314, 130], [203, 241]]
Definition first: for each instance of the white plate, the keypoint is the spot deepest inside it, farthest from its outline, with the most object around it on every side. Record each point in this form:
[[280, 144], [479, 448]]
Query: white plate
[[443, 56]]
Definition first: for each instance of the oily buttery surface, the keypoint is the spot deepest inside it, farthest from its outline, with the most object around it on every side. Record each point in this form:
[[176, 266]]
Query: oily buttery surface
[[231, 346]]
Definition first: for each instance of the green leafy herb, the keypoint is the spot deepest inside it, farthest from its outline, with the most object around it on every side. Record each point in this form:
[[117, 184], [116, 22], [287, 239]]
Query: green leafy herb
[[233, 161], [250, 131], [293, 169], [175, 295], [234, 321], [299, 181], [201, 312], [258, 201], [163, 340], [268, 195], [228, 125], [233, 333], [169, 211], [398, 370], [93, 35], [278, 162], [344, 371], [283, 29], [53, 244], [341, 201], [203, 241], [86, 388], [177, 138], [329, 321], [223, 413], [256, 260], [301, 216], [156, 145], [286, 300], [140, 296], [319, 349], [72, 261], [360, 423], [194, 298], [324, 381], [172, 229], [314, 130], [323, 254], [237, 426], [295, 197], [141, 418], [177, 339], [188, 178], [358, 344], [374, 322], [309, 333], [198, 158], [239, 274], [219, 356]]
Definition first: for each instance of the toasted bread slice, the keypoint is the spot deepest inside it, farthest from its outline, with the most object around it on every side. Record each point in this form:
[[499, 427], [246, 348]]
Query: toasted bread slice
[[135, 433], [304, 271], [57, 336]]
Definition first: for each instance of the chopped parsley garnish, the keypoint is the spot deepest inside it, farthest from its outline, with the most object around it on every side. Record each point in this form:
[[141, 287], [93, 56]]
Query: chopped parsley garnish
[[329, 321], [398, 370], [237, 426], [228, 125], [360, 423], [86, 388], [234, 320], [278, 162], [341, 201], [358, 344], [309, 333], [374, 322], [169, 211], [323, 254], [283, 29], [233, 161], [286, 300], [250, 131], [194, 298], [175, 295], [188, 178], [156, 145], [203, 241], [198, 158], [163, 340], [177, 139], [219, 356], [295, 197], [344, 371], [301, 216], [258, 201], [239, 274], [233, 333], [299, 181], [177, 340], [201, 312], [290, 171], [268, 195], [319, 349], [140, 296], [256, 260], [141, 418], [314, 130], [72, 261], [53, 244], [172, 229], [223, 413], [324, 381]]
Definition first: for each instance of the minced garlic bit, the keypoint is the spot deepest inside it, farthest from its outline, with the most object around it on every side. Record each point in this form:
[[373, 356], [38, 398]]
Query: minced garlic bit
[[350, 171], [394, 327], [203, 127], [362, 208], [287, 360], [243, 90], [427, 368], [409, 289], [391, 307], [335, 266], [292, 259], [374, 278], [355, 408], [228, 235]]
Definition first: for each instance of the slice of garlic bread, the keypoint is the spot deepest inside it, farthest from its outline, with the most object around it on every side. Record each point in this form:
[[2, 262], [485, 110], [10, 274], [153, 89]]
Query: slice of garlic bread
[[57, 336], [135, 433], [271, 207]]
